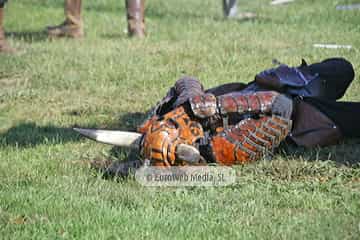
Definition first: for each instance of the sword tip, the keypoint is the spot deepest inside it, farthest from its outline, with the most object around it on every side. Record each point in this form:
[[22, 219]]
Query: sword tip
[[90, 133]]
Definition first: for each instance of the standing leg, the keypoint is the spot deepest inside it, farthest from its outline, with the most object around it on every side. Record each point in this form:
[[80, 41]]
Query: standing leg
[[4, 46], [72, 26], [135, 10], [230, 8], [230, 11]]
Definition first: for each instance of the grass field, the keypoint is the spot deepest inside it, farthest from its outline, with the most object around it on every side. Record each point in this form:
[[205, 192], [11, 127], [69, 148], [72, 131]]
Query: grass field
[[48, 190]]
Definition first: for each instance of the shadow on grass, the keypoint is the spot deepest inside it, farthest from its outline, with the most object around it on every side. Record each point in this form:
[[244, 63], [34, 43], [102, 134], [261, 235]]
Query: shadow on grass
[[130, 121], [29, 37], [29, 135], [113, 36], [122, 160], [346, 153]]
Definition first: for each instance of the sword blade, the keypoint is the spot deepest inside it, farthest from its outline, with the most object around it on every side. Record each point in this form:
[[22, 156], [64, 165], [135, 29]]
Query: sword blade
[[112, 137]]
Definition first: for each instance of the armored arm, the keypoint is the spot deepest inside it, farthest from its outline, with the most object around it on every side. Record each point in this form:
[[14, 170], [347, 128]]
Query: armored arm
[[207, 105], [249, 140], [240, 142]]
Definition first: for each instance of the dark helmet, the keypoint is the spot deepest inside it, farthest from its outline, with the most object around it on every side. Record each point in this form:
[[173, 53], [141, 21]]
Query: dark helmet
[[336, 75], [328, 79]]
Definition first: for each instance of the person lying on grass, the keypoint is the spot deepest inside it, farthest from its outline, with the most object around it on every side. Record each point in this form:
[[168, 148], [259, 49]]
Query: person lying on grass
[[237, 123]]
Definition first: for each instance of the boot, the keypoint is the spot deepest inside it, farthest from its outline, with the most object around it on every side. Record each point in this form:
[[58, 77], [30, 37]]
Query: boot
[[72, 26], [231, 12], [135, 17], [229, 8], [4, 46]]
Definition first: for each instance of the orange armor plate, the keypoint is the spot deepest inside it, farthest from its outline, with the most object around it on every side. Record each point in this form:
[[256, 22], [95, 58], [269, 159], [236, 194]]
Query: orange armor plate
[[164, 134], [249, 140]]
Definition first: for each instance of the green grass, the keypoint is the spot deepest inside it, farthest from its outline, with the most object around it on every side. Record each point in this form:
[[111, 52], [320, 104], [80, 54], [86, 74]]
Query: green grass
[[48, 190]]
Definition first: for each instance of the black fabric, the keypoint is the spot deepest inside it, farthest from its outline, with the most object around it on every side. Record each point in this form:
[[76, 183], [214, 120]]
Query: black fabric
[[294, 81], [227, 88], [327, 79], [336, 74], [346, 115]]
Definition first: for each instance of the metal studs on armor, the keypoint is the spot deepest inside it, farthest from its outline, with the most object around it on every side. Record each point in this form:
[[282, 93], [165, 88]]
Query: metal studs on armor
[[203, 106]]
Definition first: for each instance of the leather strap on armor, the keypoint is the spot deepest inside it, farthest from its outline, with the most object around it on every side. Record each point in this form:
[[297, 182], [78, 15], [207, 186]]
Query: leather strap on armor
[[249, 140]]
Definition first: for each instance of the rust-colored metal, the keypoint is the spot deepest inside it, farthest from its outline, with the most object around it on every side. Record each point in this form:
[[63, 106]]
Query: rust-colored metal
[[238, 102], [164, 134], [204, 105], [249, 140]]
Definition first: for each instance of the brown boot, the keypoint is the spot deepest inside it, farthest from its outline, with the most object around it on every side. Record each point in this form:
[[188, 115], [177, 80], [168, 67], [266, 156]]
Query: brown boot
[[135, 17], [72, 26], [4, 46]]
